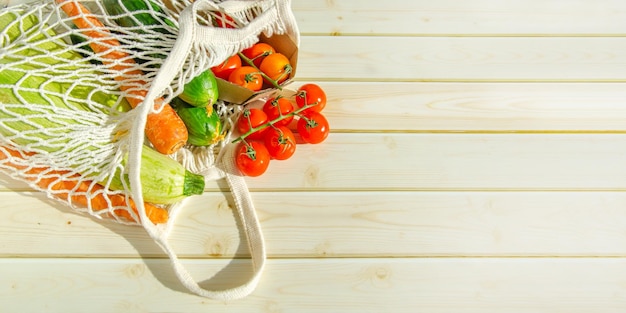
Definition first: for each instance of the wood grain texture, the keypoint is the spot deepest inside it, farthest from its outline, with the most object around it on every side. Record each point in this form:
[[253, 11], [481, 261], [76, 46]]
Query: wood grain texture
[[476, 107], [462, 59], [475, 164], [477, 17], [340, 225], [422, 162], [453, 162], [449, 17], [465, 285]]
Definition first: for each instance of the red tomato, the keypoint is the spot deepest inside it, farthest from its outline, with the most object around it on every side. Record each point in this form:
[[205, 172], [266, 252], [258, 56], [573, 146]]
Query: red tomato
[[276, 66], [313, 127], [249, 119], [223, 20], [280, 142], [258, 52], [278, 107], [252, 159], [311, 94], [247, 77], [224, 70]]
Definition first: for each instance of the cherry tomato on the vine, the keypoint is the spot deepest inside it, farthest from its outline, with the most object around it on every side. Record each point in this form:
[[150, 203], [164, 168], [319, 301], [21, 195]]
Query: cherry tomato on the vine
[[252, 159], [280, 142], [311, 94], [224, 70], [252, 118], [258, 52], [277, 107], [247, 77], [276, 66], [313, 127]]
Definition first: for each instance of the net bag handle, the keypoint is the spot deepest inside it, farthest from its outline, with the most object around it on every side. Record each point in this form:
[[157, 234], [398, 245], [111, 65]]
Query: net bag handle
[[190, 32]]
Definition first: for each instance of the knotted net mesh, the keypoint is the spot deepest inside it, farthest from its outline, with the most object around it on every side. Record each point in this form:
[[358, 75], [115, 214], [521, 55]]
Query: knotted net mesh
[[71, 73]]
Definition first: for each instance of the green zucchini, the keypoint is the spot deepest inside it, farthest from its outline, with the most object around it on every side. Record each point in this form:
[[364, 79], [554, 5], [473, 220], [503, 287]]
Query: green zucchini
[[82, 46], [203, 124], [163, 180], [25, 108], [201, 91], [149, 14]]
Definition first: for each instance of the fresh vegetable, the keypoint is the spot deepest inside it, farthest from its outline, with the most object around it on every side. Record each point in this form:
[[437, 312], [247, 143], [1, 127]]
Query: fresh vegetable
[[82, 46], [224, 70], [274, 125], [252, 158], [223, 20], [277, 107], [163, 179], [20, 116], [247, 77], [313, 127], [148, 14], [86, 194], [311, 94], [277, 67], [204, 124], [250, 119], [280, 142], [201, 91], [36, 85], [138, 14], [257, 52], [165, 130]]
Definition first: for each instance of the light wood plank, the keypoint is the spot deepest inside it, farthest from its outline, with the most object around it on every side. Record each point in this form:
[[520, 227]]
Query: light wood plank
[[445, 17], [339, 224], [476, 107], [417, 162], [462, 59], [476, 17], [452, 162], [335, 285]]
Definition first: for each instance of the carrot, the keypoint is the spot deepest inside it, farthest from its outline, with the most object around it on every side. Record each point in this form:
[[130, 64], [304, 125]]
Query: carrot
[[84, 193], [165, 130]]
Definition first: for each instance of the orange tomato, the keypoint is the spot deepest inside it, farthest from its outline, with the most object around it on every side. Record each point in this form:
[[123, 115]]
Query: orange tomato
[[277, 67], [258, 52], [247, 77]]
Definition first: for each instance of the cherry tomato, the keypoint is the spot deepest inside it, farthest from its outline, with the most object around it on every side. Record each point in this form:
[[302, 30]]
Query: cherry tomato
[[247, 77], [313, 127], [223, 70], [277, 107], [224, 20], [258, 52], [251, 118], [276, 66], [280, 142], [252, 159], [311, 94]]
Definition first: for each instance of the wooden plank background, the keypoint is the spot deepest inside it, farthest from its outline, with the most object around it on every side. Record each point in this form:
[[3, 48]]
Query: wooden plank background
[[476, 164]]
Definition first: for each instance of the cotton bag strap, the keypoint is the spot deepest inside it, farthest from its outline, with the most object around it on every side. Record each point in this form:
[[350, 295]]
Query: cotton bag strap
[[222, 42]]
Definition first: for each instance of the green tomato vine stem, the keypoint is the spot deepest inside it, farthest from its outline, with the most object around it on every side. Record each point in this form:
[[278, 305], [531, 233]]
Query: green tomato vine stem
[[251, 63], [274, 121]]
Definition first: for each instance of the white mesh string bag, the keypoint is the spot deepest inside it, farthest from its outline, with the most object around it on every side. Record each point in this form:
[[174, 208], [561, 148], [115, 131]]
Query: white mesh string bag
[[66, 123]]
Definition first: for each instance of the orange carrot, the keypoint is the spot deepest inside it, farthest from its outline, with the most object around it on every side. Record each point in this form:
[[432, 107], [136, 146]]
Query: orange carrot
[[165, 130], [54, 180]]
